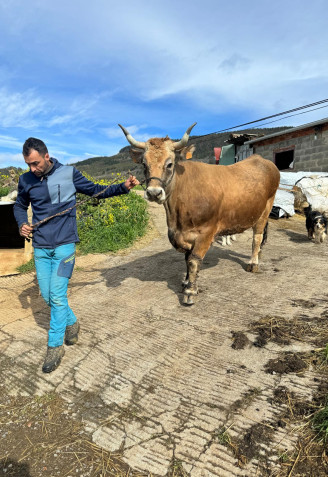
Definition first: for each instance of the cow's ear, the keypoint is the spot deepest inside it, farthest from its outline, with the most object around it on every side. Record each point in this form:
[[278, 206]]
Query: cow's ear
[[187, 152], [136, 155]]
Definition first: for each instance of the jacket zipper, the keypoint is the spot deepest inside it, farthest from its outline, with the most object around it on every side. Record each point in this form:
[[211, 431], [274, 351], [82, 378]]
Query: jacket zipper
[[58, 193]]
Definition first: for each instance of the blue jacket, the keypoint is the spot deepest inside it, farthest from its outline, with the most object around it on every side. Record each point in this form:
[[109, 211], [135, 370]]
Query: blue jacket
[[53, 193]]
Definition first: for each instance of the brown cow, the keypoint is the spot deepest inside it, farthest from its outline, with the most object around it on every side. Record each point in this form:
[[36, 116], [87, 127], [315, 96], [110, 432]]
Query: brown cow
[[203, 201]]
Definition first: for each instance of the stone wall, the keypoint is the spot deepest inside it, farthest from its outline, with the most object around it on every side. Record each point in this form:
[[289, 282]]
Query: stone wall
[[310, 148]]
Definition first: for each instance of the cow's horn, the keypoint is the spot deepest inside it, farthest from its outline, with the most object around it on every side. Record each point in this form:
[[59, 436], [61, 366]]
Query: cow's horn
[[132, 141], [184, 140]]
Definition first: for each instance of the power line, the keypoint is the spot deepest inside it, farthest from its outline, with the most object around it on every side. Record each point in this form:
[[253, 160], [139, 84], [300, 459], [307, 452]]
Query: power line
[[273, 116], [291, 115]]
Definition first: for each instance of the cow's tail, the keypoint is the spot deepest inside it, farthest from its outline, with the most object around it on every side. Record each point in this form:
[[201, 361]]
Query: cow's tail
[[265, 234]]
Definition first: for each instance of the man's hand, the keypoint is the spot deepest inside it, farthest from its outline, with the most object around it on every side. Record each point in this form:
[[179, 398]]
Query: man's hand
[[131, 182], [25, 230]]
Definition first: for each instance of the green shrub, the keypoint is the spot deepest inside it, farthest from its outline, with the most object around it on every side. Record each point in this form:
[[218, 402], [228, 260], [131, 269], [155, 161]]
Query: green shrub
[[111, 224], [107, 225], [4, 191]]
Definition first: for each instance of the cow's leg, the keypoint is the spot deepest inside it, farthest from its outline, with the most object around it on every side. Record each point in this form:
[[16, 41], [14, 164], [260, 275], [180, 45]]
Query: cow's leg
[[265, 235], [259, 237], [253, 265], [194, 261], [186, 280], [191, 289], [226, 239]]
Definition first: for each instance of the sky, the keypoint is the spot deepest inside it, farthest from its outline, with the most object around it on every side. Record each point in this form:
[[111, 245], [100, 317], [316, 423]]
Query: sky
[[71, 70]]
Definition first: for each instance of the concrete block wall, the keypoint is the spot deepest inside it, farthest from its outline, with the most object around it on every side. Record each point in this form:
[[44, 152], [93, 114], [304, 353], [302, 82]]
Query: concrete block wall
[[310, 148]]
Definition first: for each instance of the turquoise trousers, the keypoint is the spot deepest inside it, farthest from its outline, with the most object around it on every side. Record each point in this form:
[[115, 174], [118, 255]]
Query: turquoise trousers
[[54, 268]]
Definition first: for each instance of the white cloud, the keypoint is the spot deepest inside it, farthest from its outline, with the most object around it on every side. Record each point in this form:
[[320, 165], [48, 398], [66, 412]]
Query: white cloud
[[116, 132], [113, 132], [80, 113], [153, 65], [234, 63], [20, 109], [10, 142], [15, 160], [56, 120]]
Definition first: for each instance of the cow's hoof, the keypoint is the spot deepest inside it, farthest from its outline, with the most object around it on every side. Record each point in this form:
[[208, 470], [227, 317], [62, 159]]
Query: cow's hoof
[[188, 300], [190, 290], [252, 267]]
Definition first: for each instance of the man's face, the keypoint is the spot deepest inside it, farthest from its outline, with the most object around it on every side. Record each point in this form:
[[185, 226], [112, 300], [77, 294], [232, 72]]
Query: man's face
[[38, 164]]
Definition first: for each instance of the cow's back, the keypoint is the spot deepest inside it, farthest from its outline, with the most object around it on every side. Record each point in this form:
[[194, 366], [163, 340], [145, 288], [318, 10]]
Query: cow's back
[[232, 196]]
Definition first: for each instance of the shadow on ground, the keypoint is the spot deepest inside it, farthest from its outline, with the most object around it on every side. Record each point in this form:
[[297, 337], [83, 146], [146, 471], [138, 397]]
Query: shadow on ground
[[30, 298], [294, 236], [168, 266]]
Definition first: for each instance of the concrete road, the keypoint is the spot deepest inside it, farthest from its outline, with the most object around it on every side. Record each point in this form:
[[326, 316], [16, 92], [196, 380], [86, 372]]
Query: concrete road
[[159, 381]]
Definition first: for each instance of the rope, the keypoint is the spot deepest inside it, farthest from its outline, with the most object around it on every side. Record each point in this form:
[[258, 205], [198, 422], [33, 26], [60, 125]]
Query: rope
[[73, 207], [37, 224]]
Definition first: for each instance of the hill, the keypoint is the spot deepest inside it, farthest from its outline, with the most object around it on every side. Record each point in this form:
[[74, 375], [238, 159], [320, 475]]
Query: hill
[[104, 166], [6, 170]]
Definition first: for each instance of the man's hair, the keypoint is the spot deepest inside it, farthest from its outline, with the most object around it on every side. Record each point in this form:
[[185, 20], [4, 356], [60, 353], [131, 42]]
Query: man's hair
[[36, 144]]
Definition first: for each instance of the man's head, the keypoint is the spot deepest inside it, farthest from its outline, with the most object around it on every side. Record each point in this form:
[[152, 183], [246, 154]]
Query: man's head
[[36, 156]]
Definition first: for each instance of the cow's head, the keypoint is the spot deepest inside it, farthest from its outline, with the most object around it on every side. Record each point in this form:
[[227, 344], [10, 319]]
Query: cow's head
[[159, 157]]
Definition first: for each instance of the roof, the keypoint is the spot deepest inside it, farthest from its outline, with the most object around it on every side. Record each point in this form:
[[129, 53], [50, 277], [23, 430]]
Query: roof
[[288, 131], [241, 138]]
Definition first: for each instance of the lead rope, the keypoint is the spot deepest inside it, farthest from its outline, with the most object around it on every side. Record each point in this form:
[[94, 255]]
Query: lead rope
[[37, 224]]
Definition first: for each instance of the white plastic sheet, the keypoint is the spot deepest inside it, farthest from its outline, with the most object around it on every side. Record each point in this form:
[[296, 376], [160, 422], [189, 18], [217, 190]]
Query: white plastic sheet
[[315, 190], [314, 186]]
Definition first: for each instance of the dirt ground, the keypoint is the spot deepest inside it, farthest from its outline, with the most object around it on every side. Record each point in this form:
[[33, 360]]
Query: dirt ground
[[222, 388]]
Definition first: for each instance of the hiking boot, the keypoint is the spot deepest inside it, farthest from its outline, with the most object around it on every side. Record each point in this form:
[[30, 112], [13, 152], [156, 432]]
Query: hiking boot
[[53, 358], [72, 334]]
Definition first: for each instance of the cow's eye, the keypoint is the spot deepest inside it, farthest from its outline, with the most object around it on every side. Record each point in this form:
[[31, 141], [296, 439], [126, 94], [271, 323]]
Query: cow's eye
[[169, 165]]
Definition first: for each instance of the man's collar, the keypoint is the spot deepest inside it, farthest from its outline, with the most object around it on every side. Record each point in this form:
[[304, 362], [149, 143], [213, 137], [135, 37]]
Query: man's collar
[[47, 172]]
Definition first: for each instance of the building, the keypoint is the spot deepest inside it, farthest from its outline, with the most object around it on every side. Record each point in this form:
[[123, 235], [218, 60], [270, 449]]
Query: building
[[14, 250], [301, 148], [238, 143]]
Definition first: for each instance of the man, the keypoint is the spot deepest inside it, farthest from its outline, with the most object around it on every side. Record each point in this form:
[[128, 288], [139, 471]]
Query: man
[[50, 188]]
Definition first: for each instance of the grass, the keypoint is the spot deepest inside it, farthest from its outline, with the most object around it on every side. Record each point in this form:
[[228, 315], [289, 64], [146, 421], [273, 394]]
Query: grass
[[176, 469], [320, 423], [139, 187], [324, 355], [284, 457], [310, 420], [26, 267], [223, 436], [309, 458]]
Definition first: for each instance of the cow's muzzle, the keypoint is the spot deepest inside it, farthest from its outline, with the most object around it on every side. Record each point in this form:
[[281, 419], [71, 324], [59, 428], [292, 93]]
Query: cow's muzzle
[[155, 194]]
